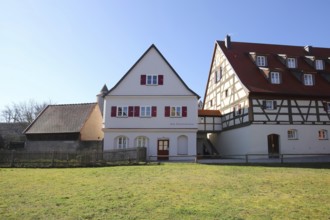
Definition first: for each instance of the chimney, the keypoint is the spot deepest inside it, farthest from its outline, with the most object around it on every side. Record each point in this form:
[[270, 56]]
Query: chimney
[[100, 98], [308, 49], [228, 42]]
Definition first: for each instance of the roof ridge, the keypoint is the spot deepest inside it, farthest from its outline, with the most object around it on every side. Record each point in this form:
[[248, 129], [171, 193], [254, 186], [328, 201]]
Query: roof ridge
[[70, 104]]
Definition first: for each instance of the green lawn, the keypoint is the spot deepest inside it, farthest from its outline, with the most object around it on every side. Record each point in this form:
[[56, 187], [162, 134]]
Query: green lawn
[[170, 191]]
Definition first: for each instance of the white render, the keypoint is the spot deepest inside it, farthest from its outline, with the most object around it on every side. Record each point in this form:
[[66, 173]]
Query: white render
[[181, 132]]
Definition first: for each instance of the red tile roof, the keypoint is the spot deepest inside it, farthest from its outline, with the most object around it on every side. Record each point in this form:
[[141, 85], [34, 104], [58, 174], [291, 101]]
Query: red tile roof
[[255, 81], [212, 113]]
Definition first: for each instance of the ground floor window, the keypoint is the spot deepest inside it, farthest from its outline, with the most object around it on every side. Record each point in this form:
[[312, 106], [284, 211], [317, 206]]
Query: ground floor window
[[141, 141], [292, 134], [323, 134], [122, 142]]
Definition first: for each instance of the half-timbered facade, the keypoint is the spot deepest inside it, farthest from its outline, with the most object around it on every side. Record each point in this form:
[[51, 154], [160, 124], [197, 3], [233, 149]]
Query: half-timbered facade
[[152, 107], [273, 98]]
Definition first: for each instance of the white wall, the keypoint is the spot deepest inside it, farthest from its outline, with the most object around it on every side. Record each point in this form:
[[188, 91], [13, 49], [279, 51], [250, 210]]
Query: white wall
[[253, 140]]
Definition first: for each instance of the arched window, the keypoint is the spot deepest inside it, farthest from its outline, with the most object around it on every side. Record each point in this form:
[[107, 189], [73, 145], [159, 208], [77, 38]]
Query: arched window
[[122, 142], [182, 145], [141, 141], [323, 134]]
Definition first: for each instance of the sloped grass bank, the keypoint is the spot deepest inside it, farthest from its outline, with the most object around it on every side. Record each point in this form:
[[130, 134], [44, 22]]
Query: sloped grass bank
[[170, 191]]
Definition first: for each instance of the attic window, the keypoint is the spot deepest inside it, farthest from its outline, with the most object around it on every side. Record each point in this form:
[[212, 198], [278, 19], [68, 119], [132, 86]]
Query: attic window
[[261, 61], [308, 80], [319, 65], [275, 78], [291, 62]]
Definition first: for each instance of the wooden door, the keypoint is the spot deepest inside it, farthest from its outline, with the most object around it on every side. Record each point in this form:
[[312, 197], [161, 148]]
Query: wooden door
[[273, 146], [163, 149]]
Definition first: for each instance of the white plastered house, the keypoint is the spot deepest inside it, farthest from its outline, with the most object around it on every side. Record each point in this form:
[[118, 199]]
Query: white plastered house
[[151, 107]]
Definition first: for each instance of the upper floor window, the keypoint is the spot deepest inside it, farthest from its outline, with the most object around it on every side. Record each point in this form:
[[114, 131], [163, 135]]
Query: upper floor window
[[175, 111], [269, 104], [275, 78], [145, 111], [308, 80], [323, 134], [291, 62], [152, 80], [122, 111], [319, 65], [261, 61], [238, 109], [292, 134], [218, 75], [122, 142]]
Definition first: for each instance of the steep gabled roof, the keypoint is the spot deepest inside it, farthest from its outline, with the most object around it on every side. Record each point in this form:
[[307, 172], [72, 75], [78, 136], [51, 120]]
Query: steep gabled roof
[[146, 52], [239, 56], [61, 119]]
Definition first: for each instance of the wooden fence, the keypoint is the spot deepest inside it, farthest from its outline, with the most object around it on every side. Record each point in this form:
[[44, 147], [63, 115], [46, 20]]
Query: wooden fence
[[72, 159]]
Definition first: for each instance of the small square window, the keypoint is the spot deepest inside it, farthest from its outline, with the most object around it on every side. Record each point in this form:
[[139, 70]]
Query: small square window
[[292, 134], [319, 65], [275, 78], [291, 62], [323, 134], [261, 61], [145, 111], [308, 80], [152, 79]]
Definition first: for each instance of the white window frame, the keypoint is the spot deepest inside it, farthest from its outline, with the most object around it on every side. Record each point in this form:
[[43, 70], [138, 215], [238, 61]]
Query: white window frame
[[122, 142], [269, 105], [323, 134], [141, 141], [261, 60], [291, 62], [275, 78], [319, 64], [308, 79], [151, 80], [292, 134], [145, 111], [122, 111], [176, 111]]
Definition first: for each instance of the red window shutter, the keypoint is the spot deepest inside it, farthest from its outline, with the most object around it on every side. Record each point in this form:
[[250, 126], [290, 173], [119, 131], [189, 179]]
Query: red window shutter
[[130, 111], [113, 111], [143, 79], [137, 111], [184, 111], [154, 111], [160, 79], [167, 111]]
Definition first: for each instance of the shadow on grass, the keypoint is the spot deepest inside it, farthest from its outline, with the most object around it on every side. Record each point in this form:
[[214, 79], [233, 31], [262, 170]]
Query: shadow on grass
[[325, 165]]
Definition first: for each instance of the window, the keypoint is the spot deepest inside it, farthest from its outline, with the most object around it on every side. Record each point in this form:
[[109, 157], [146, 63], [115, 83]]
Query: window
[[122, 111], [145, 111], [218, 75], [141, 141], [122, 142], [308, 80], [175, 111], [269, 104], [326, 106], [319, 65], [261, 61], [291, 62], [238, 109], [275, 78], [323, 134], [292, 134], [152, 80], [211, 103]]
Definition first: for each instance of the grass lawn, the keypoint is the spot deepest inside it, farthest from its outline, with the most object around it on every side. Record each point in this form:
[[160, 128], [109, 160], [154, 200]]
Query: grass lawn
[[169, 191]]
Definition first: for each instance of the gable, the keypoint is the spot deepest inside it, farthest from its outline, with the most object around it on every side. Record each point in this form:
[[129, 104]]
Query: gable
[[151, 64]]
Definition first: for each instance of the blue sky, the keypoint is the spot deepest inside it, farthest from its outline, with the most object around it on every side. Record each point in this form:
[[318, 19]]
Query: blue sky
[[66, 50]]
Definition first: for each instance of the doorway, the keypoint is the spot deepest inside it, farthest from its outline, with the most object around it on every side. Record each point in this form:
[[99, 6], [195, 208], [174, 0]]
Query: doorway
[[163, 149], [273, 146]]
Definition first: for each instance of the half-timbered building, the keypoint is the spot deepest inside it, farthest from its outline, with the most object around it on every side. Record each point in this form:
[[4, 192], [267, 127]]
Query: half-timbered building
[[274, 99]]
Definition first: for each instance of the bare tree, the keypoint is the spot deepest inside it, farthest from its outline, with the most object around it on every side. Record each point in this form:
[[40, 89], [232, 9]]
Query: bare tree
[[23, 111]]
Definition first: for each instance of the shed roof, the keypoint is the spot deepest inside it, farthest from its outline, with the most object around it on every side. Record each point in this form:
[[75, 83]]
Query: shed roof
[[61, 119]]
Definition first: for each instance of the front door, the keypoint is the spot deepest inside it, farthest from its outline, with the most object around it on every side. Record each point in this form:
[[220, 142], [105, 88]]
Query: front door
[[273, 146], [163, 146]]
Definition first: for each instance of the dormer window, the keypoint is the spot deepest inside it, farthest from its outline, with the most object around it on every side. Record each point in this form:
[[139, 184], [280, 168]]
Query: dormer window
[[261, 61], [319, 65], [308, 79], [275, 78], [291, 62]]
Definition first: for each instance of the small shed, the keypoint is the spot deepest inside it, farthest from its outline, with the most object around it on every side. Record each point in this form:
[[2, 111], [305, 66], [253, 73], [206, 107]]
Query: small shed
[[71, 127]]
